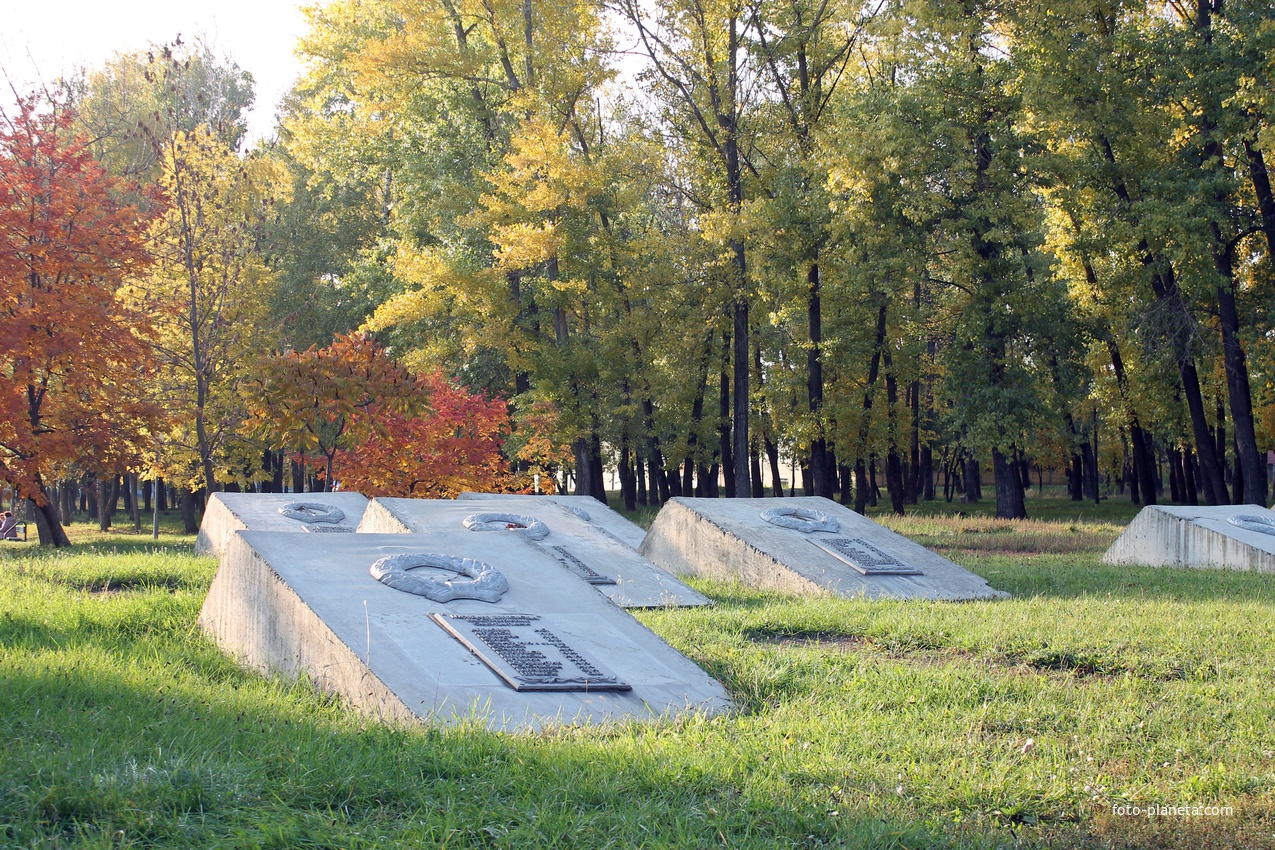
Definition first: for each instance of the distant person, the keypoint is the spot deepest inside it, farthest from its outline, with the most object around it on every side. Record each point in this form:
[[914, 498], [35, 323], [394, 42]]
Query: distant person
[[8, 526]]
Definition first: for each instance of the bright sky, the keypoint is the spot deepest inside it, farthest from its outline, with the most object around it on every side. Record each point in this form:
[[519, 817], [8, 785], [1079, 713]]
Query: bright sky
[[44, 39]]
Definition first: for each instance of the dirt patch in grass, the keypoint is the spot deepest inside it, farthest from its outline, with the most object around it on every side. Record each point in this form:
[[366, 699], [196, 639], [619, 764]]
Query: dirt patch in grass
[[1241, 830]]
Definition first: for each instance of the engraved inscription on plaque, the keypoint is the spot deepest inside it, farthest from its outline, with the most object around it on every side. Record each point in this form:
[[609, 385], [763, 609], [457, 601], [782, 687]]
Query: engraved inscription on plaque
[[527, 654], [864, 557], [327, 529], [580, 568]]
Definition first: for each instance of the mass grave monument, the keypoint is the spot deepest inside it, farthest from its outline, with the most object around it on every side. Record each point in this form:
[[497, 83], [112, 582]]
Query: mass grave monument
[[313, 513], [1232, 537], [613, 569], [802, 545], [587, 508], [445, 626]]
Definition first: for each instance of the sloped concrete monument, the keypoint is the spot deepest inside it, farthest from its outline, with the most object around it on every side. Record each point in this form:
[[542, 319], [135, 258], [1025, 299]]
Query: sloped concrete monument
[[802, 545], [612, 568], [1232, 537], [314, 513], [443, 626], [587, 508]]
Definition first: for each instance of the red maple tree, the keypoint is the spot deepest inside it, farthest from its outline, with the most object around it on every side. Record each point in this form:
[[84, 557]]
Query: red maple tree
[[66, 342], [453, 446]]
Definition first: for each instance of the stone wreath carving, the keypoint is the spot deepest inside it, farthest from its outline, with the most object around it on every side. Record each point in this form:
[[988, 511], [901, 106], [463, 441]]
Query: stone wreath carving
[[312, 512], [583, 514], [800, 519], [480, 581], [1251, 522], [524, 526]]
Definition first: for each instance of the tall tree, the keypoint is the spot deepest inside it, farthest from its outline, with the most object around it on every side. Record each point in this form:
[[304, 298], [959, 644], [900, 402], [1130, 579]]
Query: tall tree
[[209, 290], [66, 339], [804, 49], [697, 55]]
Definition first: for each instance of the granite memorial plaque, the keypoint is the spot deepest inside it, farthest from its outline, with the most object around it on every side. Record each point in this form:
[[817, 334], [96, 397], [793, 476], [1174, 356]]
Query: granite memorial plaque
[[527, 654], [864, 557], [580, 568]]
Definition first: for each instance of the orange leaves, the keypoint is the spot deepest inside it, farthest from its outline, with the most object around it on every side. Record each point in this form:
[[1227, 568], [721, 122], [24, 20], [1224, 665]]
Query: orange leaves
[[380, 429], [68, 346], [319, 400]]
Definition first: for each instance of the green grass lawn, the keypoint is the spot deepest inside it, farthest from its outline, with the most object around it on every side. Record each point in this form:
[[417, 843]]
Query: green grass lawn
[[1019, 723]]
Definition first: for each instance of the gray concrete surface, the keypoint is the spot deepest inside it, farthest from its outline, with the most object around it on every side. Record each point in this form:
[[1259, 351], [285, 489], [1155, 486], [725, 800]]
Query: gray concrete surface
[[227, 513], [304, 604], [1184, 536], [601, 516], [728, 539], [573, 543]]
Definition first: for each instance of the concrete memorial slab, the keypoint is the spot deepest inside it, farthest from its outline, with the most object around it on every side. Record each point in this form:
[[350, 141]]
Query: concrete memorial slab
[[587, 508], [1232, 537], [802, 545], [443, 626], [313, 513], [614, 569]]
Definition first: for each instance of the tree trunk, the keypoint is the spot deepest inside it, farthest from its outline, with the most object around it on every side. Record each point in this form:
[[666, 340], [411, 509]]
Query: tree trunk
[[893, 462], [1248, 458], [973, 479], [1009, 487], [861, 487], [106, 496], [1190, 476], [188, 512], [654, 456], [820, 468], [724, 426], [1177, 490], [68, 490], [927, 473], [628, 483], [48, 526], [772, 456], [861, 496], [846, 474]]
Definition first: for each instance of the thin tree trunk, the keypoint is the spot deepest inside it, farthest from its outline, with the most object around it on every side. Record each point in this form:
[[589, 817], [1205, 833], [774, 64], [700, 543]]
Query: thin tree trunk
[[861, 495], [820, 468]]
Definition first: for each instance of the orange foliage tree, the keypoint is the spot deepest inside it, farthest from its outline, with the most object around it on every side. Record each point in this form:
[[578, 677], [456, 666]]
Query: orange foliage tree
[[67, 343], [375, 426], [319, 402], [453, 445]]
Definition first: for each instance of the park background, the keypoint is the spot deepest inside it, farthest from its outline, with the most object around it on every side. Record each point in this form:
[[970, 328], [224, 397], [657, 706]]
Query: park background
[[893, 252], [885, 251]]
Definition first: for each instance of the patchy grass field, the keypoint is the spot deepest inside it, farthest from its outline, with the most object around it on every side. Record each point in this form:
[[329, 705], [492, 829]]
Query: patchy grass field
[[1032, 722]]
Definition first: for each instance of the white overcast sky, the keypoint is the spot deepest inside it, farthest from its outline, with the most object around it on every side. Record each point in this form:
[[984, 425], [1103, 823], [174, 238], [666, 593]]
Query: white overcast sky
[[45, 39]]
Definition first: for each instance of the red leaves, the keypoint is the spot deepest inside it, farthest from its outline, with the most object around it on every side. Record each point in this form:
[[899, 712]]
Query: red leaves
[[453, 446]]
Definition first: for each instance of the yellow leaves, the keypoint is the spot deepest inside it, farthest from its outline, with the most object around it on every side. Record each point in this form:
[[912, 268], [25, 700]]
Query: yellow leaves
[[542, 174], [525, 244], [441, 283]]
